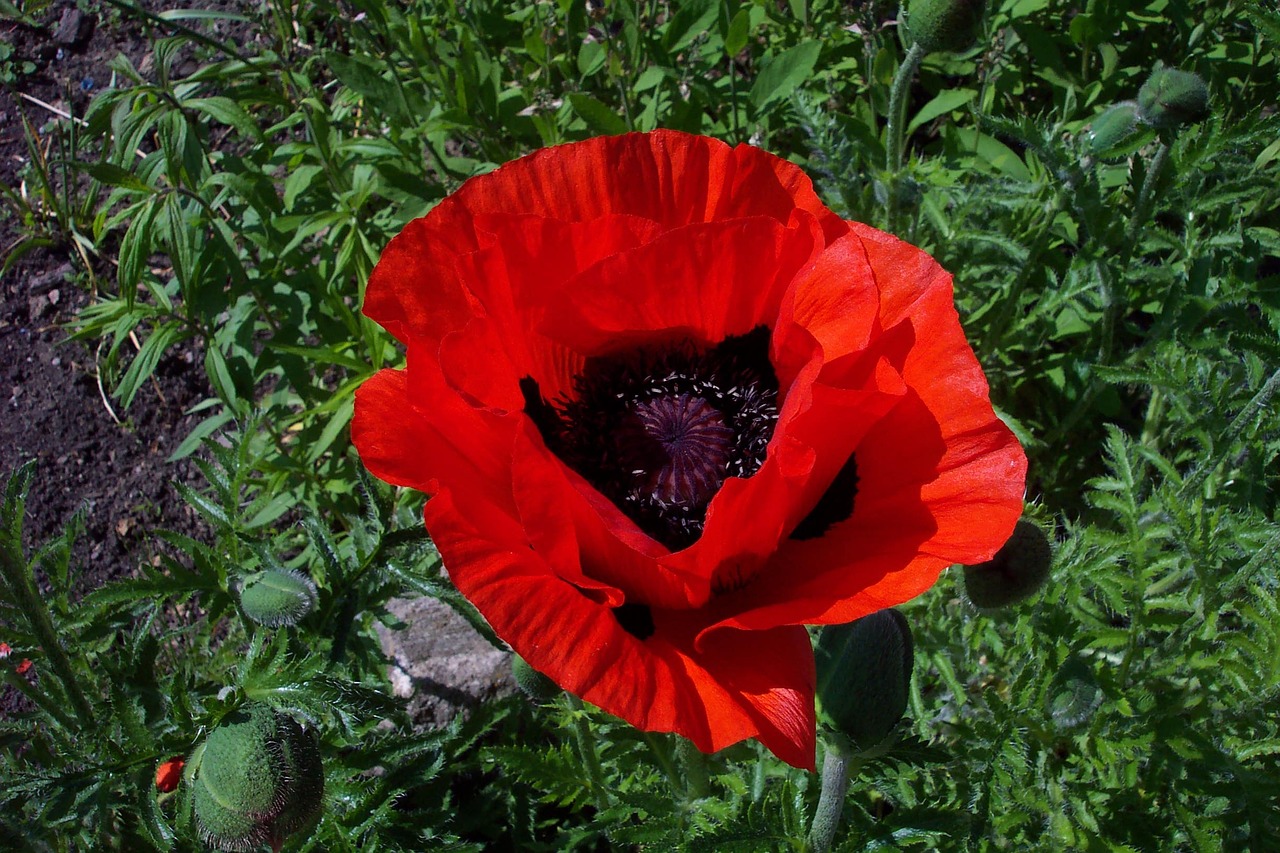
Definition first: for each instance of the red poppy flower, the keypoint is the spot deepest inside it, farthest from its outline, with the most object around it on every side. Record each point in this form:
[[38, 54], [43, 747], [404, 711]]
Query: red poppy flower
[[24, 667], [5, 650], [169, 774], [670, 409]]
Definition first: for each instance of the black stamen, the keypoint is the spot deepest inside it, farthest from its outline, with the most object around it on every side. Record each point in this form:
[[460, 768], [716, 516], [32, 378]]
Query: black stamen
[[835, 505], [635, 619], [659, 430]]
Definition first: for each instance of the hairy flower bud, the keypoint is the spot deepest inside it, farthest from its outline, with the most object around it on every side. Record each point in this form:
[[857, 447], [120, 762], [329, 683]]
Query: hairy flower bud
[[864, 676], [1115, 126], [1171, 98], [259, 780], [945, 25], [275, 597], [1017, 571], [532, 683]]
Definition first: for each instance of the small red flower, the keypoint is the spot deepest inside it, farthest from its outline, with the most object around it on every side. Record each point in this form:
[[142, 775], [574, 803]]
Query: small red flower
[[5, 650], [670, 409], [24, 667], [169, 774]]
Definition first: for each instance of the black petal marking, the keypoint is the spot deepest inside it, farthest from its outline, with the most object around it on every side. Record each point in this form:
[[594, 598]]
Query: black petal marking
[[635, 619], [835, 505]]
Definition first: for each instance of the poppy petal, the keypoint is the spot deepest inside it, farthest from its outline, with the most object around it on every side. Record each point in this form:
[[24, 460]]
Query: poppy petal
[[940, 477], [706, 281], [668, 177], [761, 686]]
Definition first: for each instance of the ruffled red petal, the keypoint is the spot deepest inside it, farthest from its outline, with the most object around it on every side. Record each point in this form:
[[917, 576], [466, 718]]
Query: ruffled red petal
[[760, 684], [705, 281], [667, 177], [940, 477]]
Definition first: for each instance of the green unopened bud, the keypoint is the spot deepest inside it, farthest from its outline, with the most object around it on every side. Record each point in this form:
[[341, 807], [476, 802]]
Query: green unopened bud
[[532, 683], [945, 25], [864, 676], [1117, 125], [275, 597], [259, 779], [1017, 571], [1171, 98]]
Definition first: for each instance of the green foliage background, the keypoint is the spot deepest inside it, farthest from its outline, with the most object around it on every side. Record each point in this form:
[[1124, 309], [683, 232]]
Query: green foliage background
[[1126, 309]]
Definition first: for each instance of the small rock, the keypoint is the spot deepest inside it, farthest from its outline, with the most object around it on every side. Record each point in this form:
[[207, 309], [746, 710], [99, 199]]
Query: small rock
[[440, 663], [74, 28], [48, 279], [37, 306]]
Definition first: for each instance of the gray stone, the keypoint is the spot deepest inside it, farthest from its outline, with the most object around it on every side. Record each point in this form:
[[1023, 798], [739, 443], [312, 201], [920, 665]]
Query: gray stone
[[439, 662], [74, 27]]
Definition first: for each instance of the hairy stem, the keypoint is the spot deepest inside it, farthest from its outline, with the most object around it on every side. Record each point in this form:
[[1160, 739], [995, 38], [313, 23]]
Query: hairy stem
[[893, 134], [837, 767]]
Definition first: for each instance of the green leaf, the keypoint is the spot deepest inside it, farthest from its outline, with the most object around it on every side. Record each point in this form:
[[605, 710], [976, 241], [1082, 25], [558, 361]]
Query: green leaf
[[210, 510], [332, 429], [739, 31], [945, 102], [591, 58], [784, 74], [690, 21], [144, 363], [116, 176], [215, 366], [363, 77], [598, 117], [135, 249], [227, 112]]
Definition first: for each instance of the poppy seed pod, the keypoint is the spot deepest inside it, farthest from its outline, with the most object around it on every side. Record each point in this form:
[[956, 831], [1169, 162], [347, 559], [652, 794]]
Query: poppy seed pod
[[864, 676], [1017, 571], [532, 683], [275, 597], [945, 25], [1171, 98], [1116, 125], [259, 780]]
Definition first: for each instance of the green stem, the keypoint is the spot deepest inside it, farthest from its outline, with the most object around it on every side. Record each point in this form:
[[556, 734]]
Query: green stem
[[897, 106], [587, 752], [893, 134], [837, 767]]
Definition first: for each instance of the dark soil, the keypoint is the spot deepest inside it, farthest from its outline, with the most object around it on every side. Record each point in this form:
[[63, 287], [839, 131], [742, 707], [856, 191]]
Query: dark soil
[[91, 454]]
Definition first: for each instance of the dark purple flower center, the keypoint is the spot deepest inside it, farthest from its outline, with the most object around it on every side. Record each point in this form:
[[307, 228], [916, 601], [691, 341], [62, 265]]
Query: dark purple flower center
[[659, 430]]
